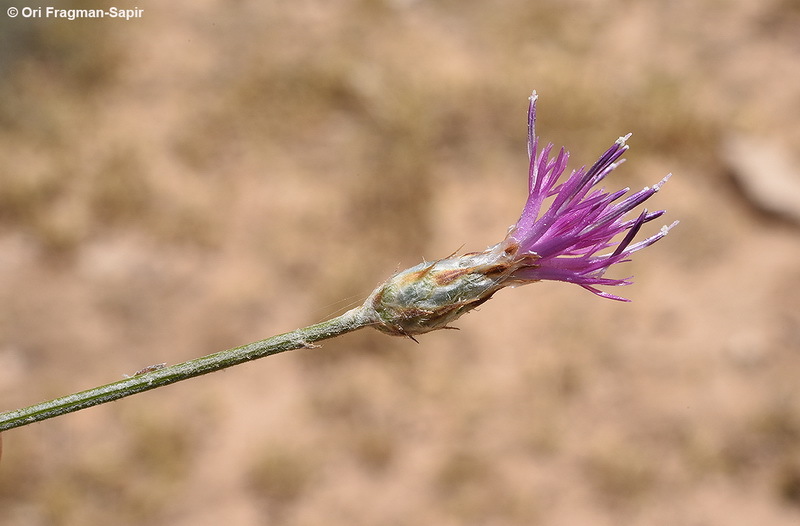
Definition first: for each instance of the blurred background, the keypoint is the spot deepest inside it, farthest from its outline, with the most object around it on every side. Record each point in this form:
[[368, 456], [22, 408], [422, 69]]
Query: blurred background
[[216, 172]]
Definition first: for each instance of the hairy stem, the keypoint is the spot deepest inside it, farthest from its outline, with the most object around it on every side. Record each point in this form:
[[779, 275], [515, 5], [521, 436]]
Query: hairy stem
[[305, 337]]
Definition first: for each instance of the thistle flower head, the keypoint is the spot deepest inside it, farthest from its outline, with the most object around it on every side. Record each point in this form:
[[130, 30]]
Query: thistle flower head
[[569, 231], [569, 239]]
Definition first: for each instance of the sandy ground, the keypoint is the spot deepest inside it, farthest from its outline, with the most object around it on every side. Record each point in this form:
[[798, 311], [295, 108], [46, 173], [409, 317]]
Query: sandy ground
[[212, 173]]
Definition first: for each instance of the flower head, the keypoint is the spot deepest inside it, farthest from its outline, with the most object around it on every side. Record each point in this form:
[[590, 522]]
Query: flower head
[[566, 232], [568, 239]]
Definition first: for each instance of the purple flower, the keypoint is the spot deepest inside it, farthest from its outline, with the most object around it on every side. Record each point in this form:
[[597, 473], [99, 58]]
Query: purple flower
[[566, 240], [566, 233]]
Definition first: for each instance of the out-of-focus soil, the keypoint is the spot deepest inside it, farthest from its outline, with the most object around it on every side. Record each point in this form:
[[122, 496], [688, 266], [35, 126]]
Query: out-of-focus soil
[[213, 173]]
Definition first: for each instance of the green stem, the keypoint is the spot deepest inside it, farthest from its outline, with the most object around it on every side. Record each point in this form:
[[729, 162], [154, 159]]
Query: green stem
[[349, 321]]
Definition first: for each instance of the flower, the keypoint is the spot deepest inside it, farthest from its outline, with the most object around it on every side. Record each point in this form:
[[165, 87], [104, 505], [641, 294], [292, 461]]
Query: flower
[[565, 233], [566, 239]]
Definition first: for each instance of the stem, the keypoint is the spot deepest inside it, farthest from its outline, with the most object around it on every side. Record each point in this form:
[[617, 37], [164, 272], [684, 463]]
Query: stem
[[349, 321]]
